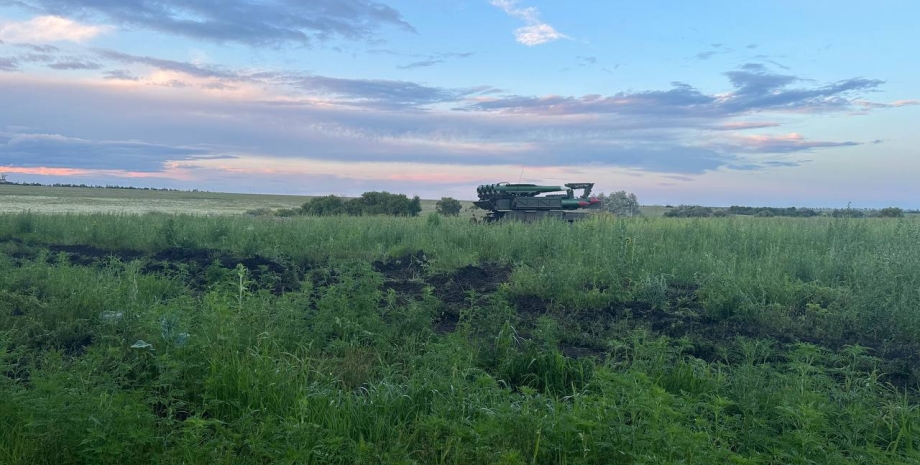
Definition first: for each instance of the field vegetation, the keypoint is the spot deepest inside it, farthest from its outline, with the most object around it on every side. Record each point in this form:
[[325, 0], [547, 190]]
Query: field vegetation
[[237, 339]]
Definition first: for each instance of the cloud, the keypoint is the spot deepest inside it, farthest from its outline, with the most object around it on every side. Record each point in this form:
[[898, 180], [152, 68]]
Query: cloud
[[742, 125], [39, 48], [380, 93], [49, 29], [536, 32], [57, 151], [705, 55], [120, 75], [263, 23], [8, 64], [435, 59], [311, 119], [171, 65], [75, 65], [786, 143], [866, 105], [755, 90]]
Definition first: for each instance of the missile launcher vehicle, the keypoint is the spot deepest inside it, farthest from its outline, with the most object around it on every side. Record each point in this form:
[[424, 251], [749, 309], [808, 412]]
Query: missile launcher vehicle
[[523, 202]]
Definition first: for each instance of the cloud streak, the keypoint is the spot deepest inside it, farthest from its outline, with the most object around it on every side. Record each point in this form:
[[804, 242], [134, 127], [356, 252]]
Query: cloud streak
[[755, 90], [58, 151], [536, 31], [265, 23], [48, 29], [435, 59]]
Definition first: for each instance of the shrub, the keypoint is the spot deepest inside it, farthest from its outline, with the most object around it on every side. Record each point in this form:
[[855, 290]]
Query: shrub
[[689, 211], [370, 203], [891, 212], [324, 206], [620, 203], [449, 206]]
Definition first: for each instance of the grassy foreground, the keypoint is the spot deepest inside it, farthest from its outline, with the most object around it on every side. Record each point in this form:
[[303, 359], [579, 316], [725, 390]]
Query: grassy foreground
[[181, 339]]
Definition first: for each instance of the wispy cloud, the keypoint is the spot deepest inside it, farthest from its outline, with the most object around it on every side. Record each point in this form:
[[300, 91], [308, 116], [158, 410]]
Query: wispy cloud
[[263, 23], [120, 75], [8, 64], [784, 143], [75, 65], [435, 59], [49, 29], [755, 89], [536, 31], [742, 125]]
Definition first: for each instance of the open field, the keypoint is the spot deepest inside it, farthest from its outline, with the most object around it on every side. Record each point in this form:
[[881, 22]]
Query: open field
[[233, 339], [46, 199]]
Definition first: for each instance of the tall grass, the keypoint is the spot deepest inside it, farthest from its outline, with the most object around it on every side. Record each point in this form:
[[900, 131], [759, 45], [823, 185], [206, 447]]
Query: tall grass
[[111, 364]]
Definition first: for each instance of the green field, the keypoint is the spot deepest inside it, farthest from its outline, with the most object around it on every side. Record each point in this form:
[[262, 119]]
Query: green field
[[161, 338]]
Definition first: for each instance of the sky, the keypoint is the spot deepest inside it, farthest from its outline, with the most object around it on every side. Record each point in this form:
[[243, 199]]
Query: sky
[[763, 102]]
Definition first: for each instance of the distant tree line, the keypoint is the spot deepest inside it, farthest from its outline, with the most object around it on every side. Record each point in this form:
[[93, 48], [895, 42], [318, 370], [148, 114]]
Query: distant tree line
[[696, 211], [96, 186], [369, 204], [772, 211]]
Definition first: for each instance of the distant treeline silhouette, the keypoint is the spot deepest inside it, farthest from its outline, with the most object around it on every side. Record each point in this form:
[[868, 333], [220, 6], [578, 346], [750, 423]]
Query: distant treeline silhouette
[[107, 186], [697, 211]]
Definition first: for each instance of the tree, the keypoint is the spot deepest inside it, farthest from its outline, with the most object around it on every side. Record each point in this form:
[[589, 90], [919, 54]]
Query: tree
[[891, 212], [324, 206], [620, 203], [449, 206]]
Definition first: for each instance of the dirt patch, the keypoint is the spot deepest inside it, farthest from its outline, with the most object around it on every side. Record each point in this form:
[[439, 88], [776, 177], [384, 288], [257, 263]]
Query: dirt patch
[[204, 266], [404, 267], [201, 267], [467, 286]]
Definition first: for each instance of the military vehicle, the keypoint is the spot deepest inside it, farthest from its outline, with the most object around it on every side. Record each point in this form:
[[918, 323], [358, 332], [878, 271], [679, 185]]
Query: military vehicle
[[522, 202]]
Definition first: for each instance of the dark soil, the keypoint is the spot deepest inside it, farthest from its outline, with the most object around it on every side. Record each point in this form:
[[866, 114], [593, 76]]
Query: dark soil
[[465, 287], [200, 265], [192, 263]]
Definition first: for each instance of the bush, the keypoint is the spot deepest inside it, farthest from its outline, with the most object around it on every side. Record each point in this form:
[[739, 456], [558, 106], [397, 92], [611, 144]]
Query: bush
[[620, 203], [370, 203], [689, 211], [891, 212], [324, 206], [449, 206]]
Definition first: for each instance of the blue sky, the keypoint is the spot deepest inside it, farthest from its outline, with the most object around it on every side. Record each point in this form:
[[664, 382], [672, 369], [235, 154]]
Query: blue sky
[[713, 102]]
